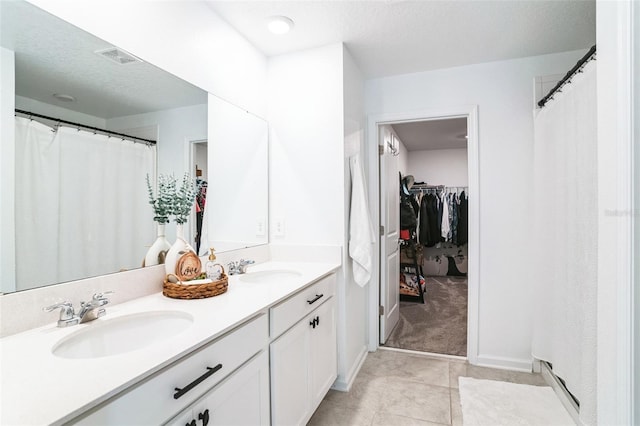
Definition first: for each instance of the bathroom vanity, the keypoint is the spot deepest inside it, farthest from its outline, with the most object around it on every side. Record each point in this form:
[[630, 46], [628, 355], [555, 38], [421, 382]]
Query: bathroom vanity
[[264, 352]]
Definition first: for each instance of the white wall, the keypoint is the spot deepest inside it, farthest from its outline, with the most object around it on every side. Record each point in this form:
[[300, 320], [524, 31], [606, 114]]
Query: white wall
[[503, 92], [306, 173], [7, 172], [615, 212], [636, 195], [439, 166], [352, 321], [185, 38], [316, 120]]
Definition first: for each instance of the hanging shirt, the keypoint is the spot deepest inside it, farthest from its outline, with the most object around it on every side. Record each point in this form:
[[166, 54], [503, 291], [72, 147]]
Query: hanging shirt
[[445, 226]]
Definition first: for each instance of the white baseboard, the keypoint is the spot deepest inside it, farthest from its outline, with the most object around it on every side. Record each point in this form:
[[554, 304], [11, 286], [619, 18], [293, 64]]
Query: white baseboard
[[525, 365], [564, 397], [343, 384]]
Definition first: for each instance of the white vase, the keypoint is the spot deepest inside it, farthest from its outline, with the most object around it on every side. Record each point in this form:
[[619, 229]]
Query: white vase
[[156, 253], [178, 248]]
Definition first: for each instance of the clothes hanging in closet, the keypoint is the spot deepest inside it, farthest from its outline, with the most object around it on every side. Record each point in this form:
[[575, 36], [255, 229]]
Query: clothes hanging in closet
[[463, 218], [443, 218], [201, 199]]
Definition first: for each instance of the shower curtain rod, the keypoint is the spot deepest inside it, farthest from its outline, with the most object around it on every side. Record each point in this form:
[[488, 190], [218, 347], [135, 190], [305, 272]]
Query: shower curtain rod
[[591, 54], [85, 127]]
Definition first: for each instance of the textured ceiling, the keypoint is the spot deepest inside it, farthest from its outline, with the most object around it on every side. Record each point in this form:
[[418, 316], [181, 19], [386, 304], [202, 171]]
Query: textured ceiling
[[433, 134], [52, 56], [397, 37]]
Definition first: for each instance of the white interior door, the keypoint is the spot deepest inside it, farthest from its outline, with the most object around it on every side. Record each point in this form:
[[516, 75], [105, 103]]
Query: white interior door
[[390, 219]]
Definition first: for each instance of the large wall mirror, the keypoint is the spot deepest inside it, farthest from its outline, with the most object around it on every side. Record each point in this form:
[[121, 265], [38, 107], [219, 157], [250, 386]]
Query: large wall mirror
[[238, 170], [78, 197]]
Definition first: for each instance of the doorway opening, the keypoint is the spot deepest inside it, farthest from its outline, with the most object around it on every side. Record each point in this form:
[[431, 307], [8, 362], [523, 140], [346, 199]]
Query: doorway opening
[[198, 168], [428, 269], [433, 249]]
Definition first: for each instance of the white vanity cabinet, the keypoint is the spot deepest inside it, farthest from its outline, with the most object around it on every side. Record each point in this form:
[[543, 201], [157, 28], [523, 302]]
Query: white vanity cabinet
[[178, 386], [242, 399], [304, 357]]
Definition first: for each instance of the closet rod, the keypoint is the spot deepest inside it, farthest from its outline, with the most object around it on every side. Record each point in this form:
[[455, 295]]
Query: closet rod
[[591, 55], [436, 187], [85, 127]]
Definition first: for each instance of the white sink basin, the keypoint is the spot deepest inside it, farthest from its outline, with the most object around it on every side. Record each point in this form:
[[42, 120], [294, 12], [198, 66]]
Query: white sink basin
[[269, 276], [123, 334]]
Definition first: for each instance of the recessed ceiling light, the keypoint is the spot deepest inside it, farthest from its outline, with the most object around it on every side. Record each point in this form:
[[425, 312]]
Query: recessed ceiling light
[[279, 24], [64, 98]]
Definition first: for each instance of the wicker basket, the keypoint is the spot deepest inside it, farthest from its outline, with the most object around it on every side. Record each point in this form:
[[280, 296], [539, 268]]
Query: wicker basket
[[176, 289]]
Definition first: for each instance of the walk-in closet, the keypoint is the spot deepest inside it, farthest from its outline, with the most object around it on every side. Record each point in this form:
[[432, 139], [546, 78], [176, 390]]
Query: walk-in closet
[[434, 211]]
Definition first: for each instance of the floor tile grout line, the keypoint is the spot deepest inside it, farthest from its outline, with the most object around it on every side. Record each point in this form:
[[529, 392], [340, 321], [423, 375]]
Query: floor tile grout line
[[450, 407]]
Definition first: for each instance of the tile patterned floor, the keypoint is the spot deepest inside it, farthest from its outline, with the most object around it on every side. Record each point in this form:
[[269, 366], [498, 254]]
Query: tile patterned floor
[[395, 388]]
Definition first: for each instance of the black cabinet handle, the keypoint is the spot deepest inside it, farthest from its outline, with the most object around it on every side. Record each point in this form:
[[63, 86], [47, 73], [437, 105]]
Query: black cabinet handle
[[204, 417], [196, 382], [314, 322], [315, 299]]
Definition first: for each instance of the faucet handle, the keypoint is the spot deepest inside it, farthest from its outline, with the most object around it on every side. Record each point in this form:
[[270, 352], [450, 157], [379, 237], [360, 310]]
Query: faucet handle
[[63, 305], [67, 314], [100, 298], [101, 295]]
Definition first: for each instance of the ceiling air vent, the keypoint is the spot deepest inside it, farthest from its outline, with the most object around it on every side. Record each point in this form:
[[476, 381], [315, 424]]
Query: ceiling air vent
[[118, 56]]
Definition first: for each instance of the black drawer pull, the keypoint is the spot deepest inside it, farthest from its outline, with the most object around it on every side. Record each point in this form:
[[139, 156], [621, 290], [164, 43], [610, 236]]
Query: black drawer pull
[[315, 299], [314, 322], [196, 382], [204, 417]]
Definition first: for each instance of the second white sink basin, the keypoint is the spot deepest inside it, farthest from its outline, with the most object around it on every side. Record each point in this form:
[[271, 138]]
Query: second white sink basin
[[123, 334], [269, 276]]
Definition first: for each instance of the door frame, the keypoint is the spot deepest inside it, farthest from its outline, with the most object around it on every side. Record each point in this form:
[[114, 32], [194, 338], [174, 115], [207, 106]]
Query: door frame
[[373, 123], [190, 163]]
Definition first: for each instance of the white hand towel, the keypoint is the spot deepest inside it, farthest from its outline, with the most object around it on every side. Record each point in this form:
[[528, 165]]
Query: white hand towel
[[361, 235]]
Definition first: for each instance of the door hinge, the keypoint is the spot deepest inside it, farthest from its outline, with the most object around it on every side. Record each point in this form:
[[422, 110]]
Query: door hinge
[[380, 149], [381, 310], [381, 230]]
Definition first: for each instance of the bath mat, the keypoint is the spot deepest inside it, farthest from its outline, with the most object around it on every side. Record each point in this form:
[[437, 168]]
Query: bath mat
[[491, 403]]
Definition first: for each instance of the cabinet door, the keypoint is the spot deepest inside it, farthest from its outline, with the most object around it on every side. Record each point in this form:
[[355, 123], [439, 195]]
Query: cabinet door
[[324, 364], [240, 400], [290, 403]]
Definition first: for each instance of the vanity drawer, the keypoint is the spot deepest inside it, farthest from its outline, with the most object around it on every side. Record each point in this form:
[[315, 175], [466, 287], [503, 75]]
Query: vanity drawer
[[288, 312], [154, 401]]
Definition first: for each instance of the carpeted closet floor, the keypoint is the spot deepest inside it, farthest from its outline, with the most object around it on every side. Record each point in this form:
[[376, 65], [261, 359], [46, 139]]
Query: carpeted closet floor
[[440, 324]]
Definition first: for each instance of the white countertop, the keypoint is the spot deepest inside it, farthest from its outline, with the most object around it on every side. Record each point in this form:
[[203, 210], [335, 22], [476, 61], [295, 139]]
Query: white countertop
[[38, 387]]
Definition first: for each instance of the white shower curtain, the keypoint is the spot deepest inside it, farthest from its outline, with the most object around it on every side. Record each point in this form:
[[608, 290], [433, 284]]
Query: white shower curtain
[[565, 237], [81, 204]]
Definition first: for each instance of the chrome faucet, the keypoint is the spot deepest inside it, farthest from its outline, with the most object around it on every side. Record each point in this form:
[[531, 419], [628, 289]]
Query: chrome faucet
[[239, 267], [88, 310], [93, 309]]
